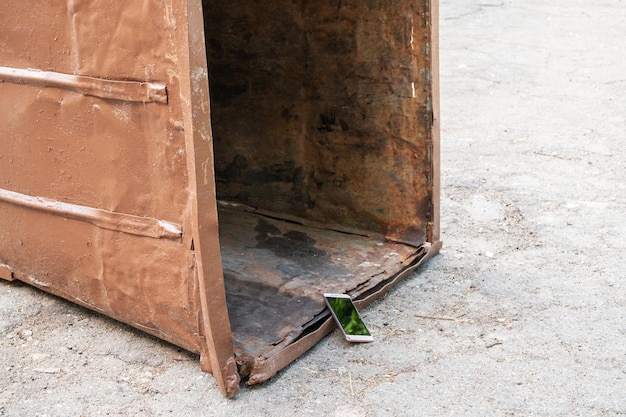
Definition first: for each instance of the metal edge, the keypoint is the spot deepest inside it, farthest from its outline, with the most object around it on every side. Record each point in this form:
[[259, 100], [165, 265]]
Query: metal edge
[[6, 273], [264, 369], [218, 355], [436, 124]]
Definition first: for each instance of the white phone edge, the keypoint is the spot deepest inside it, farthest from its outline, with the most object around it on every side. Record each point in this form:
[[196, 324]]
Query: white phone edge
[[349, 338]]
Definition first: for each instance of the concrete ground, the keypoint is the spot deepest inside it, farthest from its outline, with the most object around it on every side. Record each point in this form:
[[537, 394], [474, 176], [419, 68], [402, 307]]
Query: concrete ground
[[533, 268]]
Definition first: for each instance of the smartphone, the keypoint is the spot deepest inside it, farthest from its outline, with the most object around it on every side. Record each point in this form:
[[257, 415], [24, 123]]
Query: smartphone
[[348, 318]]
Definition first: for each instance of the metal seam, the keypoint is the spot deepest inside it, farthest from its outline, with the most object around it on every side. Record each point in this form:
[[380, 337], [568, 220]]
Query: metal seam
[[126, 223], [134, 91]]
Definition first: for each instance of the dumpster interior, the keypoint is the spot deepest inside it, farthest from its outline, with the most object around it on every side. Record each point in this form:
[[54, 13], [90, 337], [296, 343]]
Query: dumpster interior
[[321, 122]]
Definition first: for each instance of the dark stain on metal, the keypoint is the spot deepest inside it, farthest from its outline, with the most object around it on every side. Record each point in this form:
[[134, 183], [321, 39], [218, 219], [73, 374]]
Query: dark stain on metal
[[327, 121], [232, 170], [241, 170], [285, 172], [254, 304], [293, 245]]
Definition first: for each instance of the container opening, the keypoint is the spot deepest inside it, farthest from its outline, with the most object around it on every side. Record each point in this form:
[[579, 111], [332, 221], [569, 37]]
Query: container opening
[[321, 124]]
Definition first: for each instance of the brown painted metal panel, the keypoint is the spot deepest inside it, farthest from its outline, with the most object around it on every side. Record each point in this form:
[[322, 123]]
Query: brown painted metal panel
[[103, 119], [319, 139]]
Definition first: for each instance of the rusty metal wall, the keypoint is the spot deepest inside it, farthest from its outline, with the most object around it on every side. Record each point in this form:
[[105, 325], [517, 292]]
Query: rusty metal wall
[[323, 110]]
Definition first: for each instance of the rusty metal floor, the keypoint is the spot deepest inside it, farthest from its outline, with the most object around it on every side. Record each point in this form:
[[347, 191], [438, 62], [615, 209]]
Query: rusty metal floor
[[276, 272]]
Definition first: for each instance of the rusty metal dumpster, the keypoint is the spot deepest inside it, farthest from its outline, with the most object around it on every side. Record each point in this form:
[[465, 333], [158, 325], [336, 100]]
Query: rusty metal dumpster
[[216, 221]]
